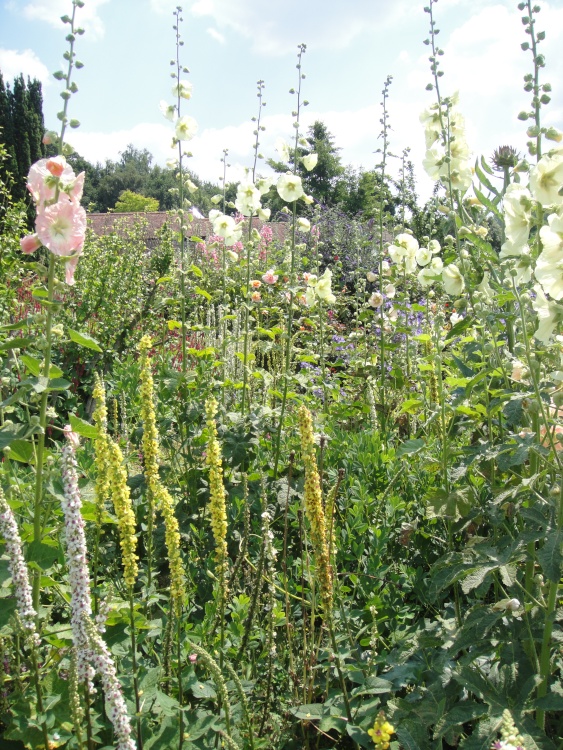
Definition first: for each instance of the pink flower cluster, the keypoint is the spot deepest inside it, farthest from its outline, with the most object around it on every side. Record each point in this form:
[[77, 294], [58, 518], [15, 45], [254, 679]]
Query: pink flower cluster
[[93, 656], [60, 225], [18, 568]]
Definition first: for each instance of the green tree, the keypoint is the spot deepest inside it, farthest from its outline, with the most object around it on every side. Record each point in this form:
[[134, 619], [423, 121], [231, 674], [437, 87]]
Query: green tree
[[130, 202]]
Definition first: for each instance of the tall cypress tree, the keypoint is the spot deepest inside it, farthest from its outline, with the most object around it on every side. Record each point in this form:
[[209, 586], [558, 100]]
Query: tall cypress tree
[[9, 166]]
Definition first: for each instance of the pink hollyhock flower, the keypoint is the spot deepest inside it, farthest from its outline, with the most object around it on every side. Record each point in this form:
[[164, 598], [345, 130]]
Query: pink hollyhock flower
[[70, 268], [256, 296], [75, 189], [61, 228], [46, 175], [29, 244], [270, 277], [255, 284]]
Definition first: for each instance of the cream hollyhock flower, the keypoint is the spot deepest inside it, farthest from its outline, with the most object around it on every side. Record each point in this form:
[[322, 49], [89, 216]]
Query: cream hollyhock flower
[[303, 225], [549, 315], [453, 280], [517, 204], [322, 288], [549, 267], [376, 300], [436, 265], [183, 89], [264, 184], [186, 128], [248, 197], [308, 199], [289, 187], [434, 247], [546, 180], [283, 149], [426, 277], [423, 256], [390, 290], [264, 214], [310, 161], [371, 277], [168, 110], [226, 227], [216, 199]]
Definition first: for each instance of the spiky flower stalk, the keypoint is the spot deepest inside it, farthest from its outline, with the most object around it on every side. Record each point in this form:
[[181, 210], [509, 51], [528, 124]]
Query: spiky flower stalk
[[93, 656], [126, 521], [217, 497], [158, 494], [18, 569], [314, 507]]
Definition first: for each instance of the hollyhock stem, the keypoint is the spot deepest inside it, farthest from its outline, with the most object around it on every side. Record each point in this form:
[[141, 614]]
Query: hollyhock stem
[[37, 527]]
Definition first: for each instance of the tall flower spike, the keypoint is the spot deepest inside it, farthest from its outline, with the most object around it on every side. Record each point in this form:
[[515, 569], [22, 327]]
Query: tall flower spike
[[314, 507], [18, 568], [217, 504], [124, 512], [162, 498]]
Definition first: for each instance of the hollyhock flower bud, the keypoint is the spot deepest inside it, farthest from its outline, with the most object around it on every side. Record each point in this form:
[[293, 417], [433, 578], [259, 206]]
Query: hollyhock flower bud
[[29, 244]]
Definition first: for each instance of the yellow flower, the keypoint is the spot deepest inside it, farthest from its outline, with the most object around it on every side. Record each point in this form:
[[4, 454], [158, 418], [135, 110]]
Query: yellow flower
[[381, 732], [157, 493], [217, 501], [124, 511]]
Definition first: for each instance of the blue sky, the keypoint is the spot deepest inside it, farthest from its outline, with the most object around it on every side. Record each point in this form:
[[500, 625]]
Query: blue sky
[[352, 45]]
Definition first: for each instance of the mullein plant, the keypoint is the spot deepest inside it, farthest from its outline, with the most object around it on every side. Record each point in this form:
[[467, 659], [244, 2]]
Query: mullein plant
[[185, 128], [217, 512], [92, 654], [159, 497]]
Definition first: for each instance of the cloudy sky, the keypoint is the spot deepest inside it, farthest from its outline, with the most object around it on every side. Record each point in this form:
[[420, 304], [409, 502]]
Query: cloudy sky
[[352, 45]]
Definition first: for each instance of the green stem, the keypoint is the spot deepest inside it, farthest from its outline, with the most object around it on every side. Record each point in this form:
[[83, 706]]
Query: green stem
[[37, 521]]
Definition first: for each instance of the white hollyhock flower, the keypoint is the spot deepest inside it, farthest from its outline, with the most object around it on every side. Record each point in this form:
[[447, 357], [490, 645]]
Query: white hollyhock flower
[[546, 180], [322, 288], [434, 247], [168, 110], [371, 277], [549, 315], [289, 187], [426, 277], [423, 256], [282, 148], [310, 161], [376, 300], [263, 214], [264, 184], [183, 89], [186, 128], [436, 265], [248, 197], [549, 267], [453, 280], [517, 204], [303, 225], [390, 290]]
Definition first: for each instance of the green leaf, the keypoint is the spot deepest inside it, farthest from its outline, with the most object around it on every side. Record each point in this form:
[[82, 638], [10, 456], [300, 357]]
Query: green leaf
[[196, 271], [44, 555], [550, 556], [173, 324], [488, 203], [31, 364], [309, 711], [7, 609], [83, 339], [360, 736], [21, 450], [82, 427], [58, 384], [203, 293], [411, 406], [16, 343], [409, 447]]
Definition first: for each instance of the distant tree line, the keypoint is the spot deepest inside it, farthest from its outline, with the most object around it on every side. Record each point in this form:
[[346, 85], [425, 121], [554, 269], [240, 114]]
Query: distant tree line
[[135, 183]]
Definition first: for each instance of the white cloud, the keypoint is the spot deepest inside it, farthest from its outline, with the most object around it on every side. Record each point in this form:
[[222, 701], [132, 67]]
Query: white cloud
[[12, 63], [214, 34], [51, 11], [273, 27]]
